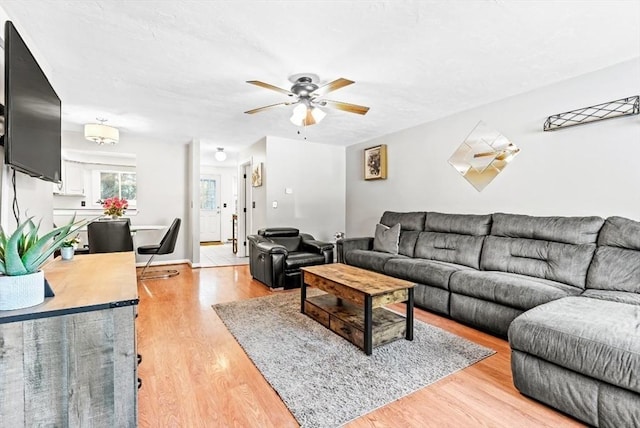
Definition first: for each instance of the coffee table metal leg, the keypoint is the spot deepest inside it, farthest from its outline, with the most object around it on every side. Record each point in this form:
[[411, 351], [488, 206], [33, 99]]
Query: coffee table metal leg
[[409, 333], [368, 325], [303, 294]]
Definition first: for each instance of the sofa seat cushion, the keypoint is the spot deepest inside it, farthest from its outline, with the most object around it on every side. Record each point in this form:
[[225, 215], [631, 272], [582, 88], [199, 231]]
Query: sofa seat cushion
[[372, 260], [596, 338], [509, 289], [613, 296], [301, 259], [428, 272]]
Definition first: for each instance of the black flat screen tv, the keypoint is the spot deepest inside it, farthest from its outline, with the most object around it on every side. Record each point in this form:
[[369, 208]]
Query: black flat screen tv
[[33, 113]]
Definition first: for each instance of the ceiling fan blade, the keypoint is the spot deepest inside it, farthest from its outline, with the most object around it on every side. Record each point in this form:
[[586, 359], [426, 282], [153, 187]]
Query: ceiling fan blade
[[351, 108], [259, 109], [268, 86], [331, 86]]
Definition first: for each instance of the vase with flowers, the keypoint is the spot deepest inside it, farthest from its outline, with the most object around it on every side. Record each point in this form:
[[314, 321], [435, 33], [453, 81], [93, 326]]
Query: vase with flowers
[[115, 207]]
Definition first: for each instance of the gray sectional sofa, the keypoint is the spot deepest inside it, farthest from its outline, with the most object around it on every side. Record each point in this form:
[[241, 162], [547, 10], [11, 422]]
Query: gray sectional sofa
[[565, 290]]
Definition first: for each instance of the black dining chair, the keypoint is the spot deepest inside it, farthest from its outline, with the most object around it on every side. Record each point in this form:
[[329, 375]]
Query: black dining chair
[[166, 246], [109, 236]]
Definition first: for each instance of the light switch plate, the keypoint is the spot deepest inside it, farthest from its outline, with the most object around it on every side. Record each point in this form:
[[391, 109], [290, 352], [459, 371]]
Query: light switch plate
[[274, 204], [288, 191]]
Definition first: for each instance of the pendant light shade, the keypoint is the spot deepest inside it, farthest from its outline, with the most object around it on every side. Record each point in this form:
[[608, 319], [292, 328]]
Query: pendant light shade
[[101, 133]]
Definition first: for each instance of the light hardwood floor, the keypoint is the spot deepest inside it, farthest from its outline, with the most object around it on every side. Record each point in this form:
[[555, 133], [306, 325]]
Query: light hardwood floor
[[194, 374]]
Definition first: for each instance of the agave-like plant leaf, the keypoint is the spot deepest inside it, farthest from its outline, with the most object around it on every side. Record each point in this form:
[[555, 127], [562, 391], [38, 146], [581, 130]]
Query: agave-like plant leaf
[[13, 264], [32, 237], [23, 252], [22, 244], [41, 250], [3, 243], [34, 263]]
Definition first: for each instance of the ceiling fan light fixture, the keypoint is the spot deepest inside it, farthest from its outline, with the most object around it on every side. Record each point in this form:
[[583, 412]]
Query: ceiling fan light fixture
[[309, 96], [220, 155], [317, 114], [101, 133], [304, 115], [299, 115]]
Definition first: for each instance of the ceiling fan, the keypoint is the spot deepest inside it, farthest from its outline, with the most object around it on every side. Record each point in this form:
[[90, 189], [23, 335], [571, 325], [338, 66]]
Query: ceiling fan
[[308, 95]]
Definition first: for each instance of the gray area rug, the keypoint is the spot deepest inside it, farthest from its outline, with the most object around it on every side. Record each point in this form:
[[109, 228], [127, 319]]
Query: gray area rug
[[326, 381]]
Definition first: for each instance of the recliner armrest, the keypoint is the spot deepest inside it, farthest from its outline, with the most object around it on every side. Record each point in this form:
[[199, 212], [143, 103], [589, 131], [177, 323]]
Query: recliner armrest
[[271, 247], [316, 246]]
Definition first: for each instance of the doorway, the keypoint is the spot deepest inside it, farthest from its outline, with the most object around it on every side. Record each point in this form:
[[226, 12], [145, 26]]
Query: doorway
[[210, 208]]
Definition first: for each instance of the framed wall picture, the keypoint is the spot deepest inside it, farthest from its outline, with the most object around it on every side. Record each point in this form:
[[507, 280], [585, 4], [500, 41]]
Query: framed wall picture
[[375, 162], [256, 175]]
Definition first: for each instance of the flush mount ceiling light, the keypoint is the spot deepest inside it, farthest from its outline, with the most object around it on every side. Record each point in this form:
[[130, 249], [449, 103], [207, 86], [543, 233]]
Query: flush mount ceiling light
[[220, 155], [308, 95], [101, 133]]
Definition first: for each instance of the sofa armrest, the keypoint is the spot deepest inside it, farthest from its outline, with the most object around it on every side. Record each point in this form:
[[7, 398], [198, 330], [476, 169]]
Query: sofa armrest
[[316, 246], [348, 244], [319, 247], [255, 239], [271, 248]]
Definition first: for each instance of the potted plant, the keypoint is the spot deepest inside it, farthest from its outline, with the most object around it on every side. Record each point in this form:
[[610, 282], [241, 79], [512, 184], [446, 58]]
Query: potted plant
[[115, 207], [21, 256], [68, 247]]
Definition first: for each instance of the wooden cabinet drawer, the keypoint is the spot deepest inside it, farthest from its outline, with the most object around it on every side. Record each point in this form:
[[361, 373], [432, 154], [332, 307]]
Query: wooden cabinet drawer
[[316, 313], [347, 331]]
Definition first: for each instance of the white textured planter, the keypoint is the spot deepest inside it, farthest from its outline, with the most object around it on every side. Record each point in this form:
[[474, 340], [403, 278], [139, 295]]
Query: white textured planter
[[66, 253], [22, 291]]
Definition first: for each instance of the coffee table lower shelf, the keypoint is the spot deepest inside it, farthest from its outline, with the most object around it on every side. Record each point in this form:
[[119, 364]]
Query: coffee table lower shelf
[[347, 320]]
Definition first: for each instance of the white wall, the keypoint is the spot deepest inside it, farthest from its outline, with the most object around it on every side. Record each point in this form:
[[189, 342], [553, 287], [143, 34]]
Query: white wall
[[35, 198], [592, 169], [162, 186], [228, 179], [315, 173]]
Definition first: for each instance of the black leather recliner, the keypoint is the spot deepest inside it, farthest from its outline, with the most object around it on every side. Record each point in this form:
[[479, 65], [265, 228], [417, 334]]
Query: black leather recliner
[[276, 255]]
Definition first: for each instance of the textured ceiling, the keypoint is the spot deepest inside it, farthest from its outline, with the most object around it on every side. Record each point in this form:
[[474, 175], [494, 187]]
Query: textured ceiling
[[175, 70]]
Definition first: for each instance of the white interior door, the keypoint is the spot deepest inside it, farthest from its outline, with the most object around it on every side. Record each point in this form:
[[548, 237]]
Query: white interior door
[[209, 208]]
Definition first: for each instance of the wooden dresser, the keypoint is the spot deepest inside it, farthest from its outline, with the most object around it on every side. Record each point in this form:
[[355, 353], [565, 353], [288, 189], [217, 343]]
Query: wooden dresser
[[72, 361]]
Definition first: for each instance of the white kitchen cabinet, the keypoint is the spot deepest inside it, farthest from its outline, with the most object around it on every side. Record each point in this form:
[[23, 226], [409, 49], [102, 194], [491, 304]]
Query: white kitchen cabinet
[[72, 180]]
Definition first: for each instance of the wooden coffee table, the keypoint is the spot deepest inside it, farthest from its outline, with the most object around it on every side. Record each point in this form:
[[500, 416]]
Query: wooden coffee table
[[353, 307]]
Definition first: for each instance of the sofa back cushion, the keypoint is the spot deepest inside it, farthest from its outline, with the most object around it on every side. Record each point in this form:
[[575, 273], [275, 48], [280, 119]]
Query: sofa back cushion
[[450, 247], [407, 221], [555, 248], [411, 224], [569, 230], [462, 224], [616, 264], [453, 238]]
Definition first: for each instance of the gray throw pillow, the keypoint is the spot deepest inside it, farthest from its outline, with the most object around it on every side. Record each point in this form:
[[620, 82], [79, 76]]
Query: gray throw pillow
[[387, 238]]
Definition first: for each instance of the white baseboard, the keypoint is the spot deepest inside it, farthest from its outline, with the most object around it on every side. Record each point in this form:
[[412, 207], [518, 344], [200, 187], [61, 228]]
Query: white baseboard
[[166, 262]]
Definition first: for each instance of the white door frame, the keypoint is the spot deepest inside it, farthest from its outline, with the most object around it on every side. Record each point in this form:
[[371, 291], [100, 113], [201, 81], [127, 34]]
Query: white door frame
[[194, 201], [244, 208]]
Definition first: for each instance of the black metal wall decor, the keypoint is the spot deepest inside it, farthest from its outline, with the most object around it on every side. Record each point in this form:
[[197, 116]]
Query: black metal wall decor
[[618, 108]]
